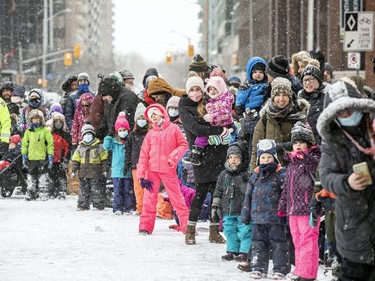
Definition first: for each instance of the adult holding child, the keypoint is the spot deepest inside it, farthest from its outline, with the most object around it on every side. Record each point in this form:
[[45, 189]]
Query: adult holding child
[[212, 160]]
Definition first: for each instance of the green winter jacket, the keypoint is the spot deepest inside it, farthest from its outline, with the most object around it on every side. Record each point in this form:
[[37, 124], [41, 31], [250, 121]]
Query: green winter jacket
[[90, 160], [37, 144]]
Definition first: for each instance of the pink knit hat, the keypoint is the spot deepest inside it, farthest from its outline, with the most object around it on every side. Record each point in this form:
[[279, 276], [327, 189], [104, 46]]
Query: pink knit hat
[[218, 83], [121, 122]]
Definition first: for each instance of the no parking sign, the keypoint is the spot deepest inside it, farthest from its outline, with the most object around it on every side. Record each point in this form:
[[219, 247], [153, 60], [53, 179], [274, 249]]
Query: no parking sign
[[354, 60]]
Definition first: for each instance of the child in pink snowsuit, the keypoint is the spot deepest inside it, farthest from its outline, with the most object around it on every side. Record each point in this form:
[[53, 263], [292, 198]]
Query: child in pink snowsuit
[[295, 199], [162, 148]]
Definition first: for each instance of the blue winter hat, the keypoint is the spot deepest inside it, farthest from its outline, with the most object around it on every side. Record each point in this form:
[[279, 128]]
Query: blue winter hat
[[266, 146]]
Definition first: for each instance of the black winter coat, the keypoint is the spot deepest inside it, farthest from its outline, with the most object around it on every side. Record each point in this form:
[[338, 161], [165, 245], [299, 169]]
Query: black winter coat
[[133, 146], [231, 188], [213, 156], [355, 210], [126, 101], [316, 100]]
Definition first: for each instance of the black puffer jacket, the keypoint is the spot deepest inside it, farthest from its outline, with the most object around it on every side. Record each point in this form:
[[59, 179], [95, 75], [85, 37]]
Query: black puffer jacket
[[213, 156], [355, 210], [316, 100]]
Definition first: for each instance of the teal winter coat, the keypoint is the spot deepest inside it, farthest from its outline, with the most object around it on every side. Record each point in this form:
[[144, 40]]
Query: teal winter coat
[[118, 156]]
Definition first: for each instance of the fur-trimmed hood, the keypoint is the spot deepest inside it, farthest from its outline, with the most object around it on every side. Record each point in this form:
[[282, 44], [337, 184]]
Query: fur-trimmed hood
[[338, 98]]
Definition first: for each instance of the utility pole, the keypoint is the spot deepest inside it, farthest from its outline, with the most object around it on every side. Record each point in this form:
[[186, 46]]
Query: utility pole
[[45, 37]]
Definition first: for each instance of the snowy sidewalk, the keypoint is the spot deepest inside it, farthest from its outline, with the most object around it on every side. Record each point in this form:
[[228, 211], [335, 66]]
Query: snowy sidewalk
[[52, 241]]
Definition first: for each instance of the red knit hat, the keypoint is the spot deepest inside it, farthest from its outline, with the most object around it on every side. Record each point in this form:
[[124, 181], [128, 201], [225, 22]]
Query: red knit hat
[[121, 122], [15, 139]]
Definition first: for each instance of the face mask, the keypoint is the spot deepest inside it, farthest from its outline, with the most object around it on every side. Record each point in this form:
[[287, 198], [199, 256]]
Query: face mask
[[173, 112], [34, 103], [58, 125], [141, 122], [195, 96], [129, 86], [83, 88], [160, 121], [33, 126], [351, 121], [123, 134], [88, 138]]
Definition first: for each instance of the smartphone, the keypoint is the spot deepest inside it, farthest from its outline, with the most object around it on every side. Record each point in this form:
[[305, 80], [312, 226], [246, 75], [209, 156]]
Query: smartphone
[[363, 168]]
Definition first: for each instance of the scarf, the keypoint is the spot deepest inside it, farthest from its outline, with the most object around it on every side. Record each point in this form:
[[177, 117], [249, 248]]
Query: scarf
[[279, 113]]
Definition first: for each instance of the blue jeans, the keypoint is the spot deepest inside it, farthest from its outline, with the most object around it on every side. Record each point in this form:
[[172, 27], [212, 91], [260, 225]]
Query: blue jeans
[[124, 199]]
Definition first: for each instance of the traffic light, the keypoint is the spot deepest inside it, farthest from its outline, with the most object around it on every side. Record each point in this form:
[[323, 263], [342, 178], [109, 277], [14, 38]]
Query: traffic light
[[168, 57], [191, 51], [77, 50], [68, 59], [235, 59]]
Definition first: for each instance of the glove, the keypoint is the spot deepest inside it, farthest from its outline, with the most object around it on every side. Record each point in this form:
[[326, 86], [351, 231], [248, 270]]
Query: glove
[[73, 175], [214, 140], [216, 214], [225, 136], [3, 147], [313, 221], [25, 162], [145, 183], [50, 161], [281, 214], [104, 174]]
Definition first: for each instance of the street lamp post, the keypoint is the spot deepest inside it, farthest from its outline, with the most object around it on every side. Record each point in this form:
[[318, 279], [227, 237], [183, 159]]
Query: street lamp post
[[183, 35]]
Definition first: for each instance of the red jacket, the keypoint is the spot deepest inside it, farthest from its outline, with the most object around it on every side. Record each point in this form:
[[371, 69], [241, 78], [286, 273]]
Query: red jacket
[[162, 147], [59, 144]]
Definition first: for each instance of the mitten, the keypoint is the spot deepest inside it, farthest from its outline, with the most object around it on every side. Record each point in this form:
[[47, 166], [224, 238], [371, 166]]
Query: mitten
[[216, 214], [313, 221], [145, 183], [208, 117], [126, 169], [50, 161], [225, 136], [281, 214], [214, 140], [25, 162]]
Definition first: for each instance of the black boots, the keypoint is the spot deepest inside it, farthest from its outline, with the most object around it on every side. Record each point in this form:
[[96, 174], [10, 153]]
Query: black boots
[[195, 156]]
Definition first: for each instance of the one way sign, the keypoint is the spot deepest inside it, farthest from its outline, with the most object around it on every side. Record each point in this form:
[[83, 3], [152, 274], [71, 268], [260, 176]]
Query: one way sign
[[359, 31]]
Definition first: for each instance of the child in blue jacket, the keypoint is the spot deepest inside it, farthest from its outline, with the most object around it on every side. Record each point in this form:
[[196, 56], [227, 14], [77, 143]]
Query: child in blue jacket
[[251, 95], [124, 200], [260, 209]]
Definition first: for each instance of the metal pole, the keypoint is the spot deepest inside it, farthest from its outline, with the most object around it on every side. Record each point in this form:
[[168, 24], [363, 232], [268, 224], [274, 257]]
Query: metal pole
[[45, 38], [310, 25], [51, 39], [20, 66]]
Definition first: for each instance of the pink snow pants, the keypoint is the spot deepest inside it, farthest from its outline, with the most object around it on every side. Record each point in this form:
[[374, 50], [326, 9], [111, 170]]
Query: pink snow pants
[[150, 200], [305, 240]]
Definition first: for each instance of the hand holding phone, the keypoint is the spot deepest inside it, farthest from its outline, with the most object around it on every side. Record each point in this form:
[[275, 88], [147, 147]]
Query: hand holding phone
[[361, 177]]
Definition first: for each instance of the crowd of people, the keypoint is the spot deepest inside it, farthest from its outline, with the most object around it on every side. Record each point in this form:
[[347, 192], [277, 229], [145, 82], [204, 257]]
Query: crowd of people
[[264, 160]]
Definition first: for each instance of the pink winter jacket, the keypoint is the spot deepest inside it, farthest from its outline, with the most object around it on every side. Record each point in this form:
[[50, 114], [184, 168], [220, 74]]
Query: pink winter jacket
[[162, 148]]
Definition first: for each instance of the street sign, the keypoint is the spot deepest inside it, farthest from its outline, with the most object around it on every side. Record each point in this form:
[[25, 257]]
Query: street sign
[[354, 60], [359, 32]]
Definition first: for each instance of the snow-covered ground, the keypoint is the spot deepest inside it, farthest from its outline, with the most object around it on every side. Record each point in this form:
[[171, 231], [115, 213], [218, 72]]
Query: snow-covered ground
[[52, 241]]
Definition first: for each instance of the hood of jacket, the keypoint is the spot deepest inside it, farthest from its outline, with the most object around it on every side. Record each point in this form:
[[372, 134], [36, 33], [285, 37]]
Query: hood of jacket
[[162, 109], [338, 98], [249, 67]]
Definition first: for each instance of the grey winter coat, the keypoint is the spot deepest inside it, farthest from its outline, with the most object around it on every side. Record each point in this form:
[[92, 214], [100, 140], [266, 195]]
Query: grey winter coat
[[355, 210]]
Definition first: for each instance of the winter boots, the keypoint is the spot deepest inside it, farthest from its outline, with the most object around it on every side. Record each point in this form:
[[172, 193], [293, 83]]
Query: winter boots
[[195, 156], [215, 236], [190, 234]]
